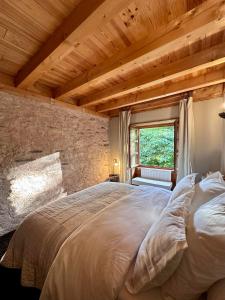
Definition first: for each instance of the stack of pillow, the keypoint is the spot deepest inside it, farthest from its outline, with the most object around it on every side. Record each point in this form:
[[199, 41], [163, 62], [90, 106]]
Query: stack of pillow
[[184, 251]]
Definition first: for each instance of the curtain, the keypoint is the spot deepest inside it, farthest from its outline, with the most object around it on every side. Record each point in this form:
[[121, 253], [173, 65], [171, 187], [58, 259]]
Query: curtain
[[223, 141], [185, 138], [124, 123]]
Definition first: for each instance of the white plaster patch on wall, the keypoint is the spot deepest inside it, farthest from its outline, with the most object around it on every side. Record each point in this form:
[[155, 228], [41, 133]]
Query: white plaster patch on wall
[[30, 129], [31, 185], [34, 184]]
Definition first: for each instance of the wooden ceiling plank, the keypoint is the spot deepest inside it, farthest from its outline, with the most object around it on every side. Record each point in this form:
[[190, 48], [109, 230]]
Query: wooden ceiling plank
[[37, 93], [8, 67], [168, 89], [201, 94], [160, 103], [162, 73], [166, 100], [208, 92], [6, 79], [84, 19], [190, 26], [158, 106]]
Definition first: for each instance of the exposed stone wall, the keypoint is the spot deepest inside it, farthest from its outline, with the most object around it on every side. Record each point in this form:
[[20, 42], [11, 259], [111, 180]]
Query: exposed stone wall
[[30, 129]]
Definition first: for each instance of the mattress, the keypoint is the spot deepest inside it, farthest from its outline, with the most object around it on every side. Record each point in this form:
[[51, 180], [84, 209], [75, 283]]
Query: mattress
[[37, 241]]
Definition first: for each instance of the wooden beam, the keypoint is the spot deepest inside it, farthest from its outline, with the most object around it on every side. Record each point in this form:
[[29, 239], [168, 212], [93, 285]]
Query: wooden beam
[[205, 18], [84, 19], [37, 89], [202, 94], [161, 73], [168, 89], [6, 79], [158, 105], [150, 105], [6, 85], [154, 104], [208, 92]]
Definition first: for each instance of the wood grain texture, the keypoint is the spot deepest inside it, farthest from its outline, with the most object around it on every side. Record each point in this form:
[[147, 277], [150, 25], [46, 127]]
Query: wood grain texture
[[202, 94], [38, 96], [113, 51], [169, 88], [83, 20], [161, 73], [194, 24]]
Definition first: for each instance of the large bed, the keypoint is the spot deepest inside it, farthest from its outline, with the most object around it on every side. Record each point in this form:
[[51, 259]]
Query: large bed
[[82, 246]]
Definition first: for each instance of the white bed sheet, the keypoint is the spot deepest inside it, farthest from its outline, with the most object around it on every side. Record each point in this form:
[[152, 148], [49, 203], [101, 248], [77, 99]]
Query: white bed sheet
[[153, 294]]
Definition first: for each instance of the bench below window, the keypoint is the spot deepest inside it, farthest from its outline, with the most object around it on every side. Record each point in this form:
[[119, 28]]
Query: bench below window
[[154, 177]]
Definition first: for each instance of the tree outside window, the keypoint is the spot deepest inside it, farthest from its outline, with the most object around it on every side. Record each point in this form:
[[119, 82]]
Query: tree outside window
[[156, 146], [153, 145]]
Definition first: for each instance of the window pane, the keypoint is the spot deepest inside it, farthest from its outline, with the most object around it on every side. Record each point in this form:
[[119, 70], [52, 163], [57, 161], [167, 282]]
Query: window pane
[[133, 147], [157, 146]]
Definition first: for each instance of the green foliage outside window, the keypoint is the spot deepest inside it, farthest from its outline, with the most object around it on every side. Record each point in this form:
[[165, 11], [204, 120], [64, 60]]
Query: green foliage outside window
[[157, 146]]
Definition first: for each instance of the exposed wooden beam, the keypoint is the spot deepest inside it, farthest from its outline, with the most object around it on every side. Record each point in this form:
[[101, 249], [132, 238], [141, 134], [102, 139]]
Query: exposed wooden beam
[[168, 89], [192, 25], [202, 94], [38, 89], [6, 85], [84, 19], [115, 113], [168, 101], [162, 73], [6, 79], [208, 92]]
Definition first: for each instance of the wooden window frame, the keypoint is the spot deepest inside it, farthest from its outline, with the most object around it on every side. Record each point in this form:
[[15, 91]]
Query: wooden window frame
[[157, 124]]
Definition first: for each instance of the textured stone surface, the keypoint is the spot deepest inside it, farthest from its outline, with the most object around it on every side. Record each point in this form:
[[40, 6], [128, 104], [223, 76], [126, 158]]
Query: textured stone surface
[[30, 186], [30, 129]]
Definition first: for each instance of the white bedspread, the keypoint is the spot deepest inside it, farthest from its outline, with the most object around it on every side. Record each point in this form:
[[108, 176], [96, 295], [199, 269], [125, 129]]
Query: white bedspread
[[153, 294], [94, 261], [85, 242]]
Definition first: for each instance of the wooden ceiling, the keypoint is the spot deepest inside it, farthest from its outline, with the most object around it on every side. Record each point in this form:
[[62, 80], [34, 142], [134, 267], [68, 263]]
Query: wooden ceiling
[[106, 55]]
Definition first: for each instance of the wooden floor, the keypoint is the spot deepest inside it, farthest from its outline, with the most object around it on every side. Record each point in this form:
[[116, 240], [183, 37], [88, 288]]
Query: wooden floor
[[10, 280]]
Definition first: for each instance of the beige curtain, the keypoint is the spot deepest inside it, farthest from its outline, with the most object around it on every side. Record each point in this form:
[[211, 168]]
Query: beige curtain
[[185, 139], [124, 123], [223, 140]]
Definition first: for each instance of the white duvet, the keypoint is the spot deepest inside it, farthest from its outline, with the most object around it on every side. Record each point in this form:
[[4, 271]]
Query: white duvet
[[81, 247]]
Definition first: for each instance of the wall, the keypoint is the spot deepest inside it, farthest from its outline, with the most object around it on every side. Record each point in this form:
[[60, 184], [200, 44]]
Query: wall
[[208, 132], [208, 135], [31, 129]]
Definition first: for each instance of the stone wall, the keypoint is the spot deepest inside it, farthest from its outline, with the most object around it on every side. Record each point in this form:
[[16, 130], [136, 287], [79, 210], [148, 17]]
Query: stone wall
[[31, 129]]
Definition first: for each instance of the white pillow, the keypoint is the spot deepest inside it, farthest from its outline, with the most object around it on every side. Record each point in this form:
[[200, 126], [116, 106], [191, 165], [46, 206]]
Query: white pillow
[[207, 189], [183, 186], [216, 174], [203, 262], [217, 291], [161, 250]]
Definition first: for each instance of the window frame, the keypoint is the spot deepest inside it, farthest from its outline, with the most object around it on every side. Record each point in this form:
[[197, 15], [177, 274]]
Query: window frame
[[155, 124]]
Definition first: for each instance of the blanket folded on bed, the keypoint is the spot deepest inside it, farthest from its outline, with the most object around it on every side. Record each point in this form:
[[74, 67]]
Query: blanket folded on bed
[[93, 262], [81, 246], [36, 242]]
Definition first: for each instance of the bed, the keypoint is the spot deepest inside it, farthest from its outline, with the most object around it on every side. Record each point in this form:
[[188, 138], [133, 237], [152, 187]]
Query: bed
[[99, 228]]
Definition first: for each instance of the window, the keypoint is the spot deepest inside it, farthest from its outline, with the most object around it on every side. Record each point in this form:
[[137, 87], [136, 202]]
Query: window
[[153, 145]]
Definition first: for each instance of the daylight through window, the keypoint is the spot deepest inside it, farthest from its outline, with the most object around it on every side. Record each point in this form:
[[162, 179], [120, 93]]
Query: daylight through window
[[153, 146], [157, 146]]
